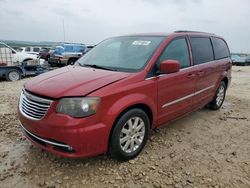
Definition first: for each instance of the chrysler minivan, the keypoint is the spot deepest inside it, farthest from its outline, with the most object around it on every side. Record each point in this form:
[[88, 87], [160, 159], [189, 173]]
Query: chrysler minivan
[[109, 100]]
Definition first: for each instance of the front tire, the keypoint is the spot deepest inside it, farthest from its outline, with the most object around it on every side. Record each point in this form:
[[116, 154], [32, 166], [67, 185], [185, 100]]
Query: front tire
[[219, 97], [130, 135], [71, 61]]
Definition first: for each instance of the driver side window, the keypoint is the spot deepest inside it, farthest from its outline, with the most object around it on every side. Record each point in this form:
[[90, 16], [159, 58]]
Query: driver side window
[[177, 50]]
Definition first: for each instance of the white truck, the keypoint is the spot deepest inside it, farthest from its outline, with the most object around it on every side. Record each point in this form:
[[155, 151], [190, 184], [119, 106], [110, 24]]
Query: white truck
[[14, 65]]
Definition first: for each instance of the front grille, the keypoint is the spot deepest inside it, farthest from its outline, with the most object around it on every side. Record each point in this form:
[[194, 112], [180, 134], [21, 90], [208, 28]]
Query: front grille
[[32, 106]]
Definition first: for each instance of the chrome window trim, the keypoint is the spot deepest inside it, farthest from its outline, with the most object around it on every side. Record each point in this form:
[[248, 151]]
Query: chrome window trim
[[187, 96], [186, 68]]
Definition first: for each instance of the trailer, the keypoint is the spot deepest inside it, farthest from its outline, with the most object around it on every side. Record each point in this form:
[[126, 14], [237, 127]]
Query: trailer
[[15, 65]]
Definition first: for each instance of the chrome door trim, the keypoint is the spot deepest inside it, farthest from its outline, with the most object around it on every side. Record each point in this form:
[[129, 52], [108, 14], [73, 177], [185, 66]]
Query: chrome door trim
[[187, 96]]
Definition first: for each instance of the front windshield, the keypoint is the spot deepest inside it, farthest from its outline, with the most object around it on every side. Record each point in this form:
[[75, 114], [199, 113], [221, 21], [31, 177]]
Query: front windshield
[[59, 50], [130, 53]]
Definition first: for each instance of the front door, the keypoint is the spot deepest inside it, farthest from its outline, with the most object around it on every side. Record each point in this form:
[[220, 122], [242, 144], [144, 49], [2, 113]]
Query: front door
[[175, 90]]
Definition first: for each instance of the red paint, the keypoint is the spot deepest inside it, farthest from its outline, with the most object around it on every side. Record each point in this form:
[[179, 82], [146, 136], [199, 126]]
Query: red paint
[[169, 66], [118, 91]]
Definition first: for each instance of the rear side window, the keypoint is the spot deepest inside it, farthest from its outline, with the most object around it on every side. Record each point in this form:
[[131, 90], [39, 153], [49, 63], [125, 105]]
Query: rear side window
[[220, 48], [202, 50], [69, 48], [79, 49], [177, 50]]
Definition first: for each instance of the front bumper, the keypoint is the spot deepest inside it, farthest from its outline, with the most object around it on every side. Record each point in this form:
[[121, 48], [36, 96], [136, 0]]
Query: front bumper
[[44, 142], [66, 136]]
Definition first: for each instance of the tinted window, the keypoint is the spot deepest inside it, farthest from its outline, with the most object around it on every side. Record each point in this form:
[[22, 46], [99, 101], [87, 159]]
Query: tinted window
[[79, 49], [27, 49], [220, 48], [36, 49], [177, 50], [202, 50], [69, 48]]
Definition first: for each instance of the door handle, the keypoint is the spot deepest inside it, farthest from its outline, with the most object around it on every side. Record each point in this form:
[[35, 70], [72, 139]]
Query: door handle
[[191, 76], [200, 73]]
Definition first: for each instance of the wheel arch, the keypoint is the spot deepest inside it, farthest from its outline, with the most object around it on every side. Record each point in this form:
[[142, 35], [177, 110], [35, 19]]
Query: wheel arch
[[27, 59], [225, 79]]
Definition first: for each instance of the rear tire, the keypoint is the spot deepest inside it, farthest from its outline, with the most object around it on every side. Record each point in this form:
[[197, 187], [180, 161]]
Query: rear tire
[[219, 97], [13, 75], [130, 135]]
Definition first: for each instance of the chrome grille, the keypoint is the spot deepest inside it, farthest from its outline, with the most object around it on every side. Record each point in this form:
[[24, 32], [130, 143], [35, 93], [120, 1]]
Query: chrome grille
[[32, 106]]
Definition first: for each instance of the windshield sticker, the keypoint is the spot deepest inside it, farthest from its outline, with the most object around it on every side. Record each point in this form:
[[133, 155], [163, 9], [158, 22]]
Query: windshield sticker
[[141, 43]]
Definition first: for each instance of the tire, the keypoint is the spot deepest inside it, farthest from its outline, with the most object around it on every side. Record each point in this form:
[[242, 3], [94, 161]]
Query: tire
[[71, 61], [13, 75], [47, 57], [125, 133], [219, 97]]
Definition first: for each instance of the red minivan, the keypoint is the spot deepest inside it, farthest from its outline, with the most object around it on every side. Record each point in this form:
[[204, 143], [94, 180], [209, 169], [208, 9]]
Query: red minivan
[[109, 100]]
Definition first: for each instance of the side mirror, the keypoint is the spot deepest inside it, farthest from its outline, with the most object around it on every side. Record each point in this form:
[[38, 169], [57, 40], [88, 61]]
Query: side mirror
[[169, 66]]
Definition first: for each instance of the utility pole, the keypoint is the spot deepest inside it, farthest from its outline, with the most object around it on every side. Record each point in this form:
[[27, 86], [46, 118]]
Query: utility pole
[[63, 31]]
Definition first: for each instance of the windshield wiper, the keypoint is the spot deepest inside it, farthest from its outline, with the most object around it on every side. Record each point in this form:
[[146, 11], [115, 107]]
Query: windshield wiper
[[98, 67]]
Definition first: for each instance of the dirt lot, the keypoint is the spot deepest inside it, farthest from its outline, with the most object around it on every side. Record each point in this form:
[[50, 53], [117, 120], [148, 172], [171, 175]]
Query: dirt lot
[[204, 149]]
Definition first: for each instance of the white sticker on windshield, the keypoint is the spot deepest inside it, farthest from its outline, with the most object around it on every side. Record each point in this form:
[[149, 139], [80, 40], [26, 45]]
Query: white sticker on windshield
[[141, 42]]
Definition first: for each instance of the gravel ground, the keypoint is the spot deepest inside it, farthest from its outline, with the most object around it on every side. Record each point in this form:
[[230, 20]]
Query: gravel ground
[[204, 149]]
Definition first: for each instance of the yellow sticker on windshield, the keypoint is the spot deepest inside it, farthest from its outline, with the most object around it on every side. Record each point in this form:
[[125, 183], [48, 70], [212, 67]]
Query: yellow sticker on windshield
[[141, 42]]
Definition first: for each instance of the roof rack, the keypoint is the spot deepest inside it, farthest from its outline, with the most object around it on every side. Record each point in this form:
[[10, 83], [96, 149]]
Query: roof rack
[[186, 31]]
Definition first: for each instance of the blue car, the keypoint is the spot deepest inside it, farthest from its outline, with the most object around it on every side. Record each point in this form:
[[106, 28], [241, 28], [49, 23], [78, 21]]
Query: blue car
[[248, 60], [238, 59], [66, 54]]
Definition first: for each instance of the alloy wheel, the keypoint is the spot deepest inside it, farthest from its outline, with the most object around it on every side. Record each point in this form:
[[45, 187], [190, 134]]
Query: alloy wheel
[[220, 95], [132, 134]]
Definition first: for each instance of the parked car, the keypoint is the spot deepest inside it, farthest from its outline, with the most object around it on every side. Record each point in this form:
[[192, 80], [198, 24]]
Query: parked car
[[31, 50], [44, 53], [238, 60], [124, 87], [14, 65], [66, 54], [247, 61], [15, 56], [88, 48]]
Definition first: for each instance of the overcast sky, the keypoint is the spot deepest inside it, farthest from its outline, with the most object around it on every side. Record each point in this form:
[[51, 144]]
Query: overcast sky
[[90, 21]]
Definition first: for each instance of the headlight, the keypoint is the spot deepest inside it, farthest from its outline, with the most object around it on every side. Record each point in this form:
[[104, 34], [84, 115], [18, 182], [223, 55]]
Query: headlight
[[78, 106]]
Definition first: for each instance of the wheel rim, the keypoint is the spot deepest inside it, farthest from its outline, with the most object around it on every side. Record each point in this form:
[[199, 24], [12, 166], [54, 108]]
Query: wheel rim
[[132, 134], [220, 95], [13, 76]]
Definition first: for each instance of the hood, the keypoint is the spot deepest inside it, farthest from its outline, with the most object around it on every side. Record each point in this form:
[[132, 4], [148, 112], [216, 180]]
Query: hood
[[72, 81]]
